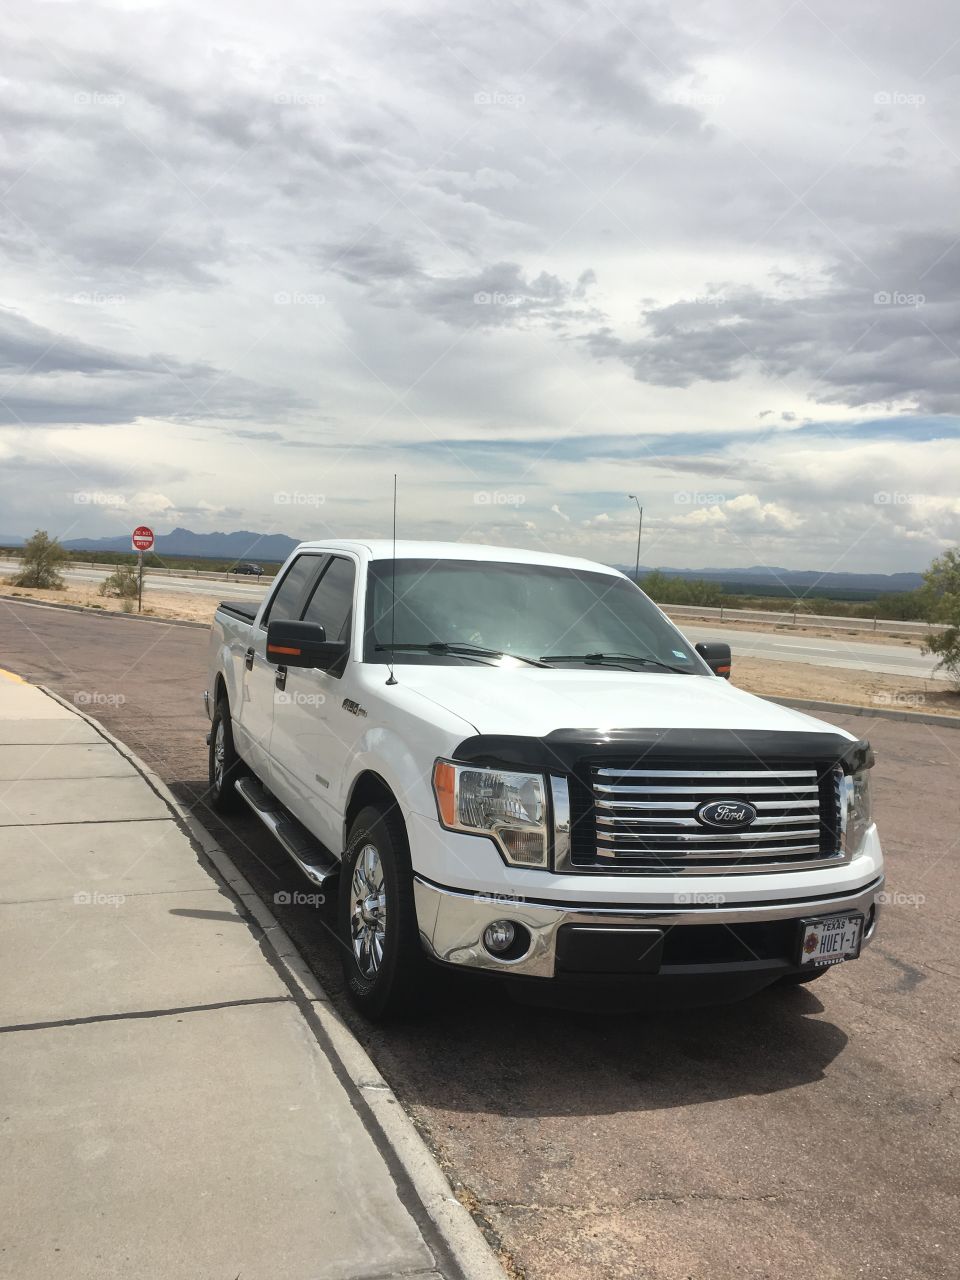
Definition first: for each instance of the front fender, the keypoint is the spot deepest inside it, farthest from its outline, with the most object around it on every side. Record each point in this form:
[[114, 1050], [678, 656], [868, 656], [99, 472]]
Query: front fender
[[386, 753]]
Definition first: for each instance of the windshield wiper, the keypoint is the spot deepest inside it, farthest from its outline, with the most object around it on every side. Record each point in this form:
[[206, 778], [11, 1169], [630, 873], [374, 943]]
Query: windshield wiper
[[616, 659], [459, 650]]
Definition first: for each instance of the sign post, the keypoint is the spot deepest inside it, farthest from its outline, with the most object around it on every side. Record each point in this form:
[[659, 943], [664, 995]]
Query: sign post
[[142, 541]]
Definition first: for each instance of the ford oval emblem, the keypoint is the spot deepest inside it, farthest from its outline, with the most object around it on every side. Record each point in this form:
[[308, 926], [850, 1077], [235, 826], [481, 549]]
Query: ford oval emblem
[[731, 815]]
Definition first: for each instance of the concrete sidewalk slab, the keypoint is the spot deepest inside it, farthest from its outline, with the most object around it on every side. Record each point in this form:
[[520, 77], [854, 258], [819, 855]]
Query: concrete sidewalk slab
[[55, 862], [107, 954], [35, 802], [28, 732], [190, 1147], [180, 1100], [56, 760]]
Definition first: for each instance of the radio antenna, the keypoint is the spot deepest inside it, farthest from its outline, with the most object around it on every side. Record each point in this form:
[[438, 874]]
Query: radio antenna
[[393, 587]]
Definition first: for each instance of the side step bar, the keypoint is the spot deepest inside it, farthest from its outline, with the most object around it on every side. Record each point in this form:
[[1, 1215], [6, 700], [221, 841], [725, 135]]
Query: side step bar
[[314, 860]]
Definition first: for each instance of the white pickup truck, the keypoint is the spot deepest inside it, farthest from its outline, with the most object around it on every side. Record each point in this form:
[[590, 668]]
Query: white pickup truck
[[515, 763]]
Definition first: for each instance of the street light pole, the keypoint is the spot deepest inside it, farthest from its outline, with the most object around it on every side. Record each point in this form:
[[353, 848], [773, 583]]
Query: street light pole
[[636, 576]]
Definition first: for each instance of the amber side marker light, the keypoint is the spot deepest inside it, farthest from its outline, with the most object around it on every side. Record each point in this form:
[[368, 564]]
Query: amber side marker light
[[280, 648], [443, 785]]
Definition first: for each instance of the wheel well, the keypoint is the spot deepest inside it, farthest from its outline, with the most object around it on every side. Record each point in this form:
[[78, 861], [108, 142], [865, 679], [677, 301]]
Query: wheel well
[[370, 788], [219, 686]]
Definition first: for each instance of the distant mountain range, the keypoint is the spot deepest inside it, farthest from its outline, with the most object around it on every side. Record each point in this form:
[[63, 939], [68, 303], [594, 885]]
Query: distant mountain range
[[773, 576], [244, 544]]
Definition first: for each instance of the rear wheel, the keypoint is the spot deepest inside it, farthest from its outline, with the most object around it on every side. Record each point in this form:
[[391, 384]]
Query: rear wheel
[[383, 962], [224, 765]]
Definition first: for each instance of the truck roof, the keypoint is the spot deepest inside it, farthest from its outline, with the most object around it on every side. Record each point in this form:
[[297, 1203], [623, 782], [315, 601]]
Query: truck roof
[[383, 549]]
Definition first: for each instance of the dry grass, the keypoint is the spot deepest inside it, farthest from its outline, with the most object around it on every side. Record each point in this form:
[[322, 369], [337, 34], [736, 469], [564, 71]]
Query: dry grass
[[168, 605]]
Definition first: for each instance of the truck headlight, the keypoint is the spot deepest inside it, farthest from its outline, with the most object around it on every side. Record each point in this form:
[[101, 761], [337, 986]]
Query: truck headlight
[[510, 807], [856, 809]]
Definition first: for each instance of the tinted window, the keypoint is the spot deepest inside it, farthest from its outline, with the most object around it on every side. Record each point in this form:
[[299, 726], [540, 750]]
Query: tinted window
[[293, 590], [332, 602], [531, 609]]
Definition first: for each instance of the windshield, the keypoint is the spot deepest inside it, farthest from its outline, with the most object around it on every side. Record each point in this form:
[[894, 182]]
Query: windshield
[[566, 617]]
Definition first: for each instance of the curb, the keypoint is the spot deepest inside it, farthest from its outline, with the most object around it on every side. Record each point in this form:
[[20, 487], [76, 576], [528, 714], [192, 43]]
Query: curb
[[101, 613], [398, 1137], [879, 713]]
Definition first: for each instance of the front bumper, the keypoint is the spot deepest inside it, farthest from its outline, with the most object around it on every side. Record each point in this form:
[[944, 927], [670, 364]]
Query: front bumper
[[742, 939]]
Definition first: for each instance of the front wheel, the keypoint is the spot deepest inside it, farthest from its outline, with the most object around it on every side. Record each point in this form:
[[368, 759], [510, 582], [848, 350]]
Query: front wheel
[[383, 962], [224, 765]]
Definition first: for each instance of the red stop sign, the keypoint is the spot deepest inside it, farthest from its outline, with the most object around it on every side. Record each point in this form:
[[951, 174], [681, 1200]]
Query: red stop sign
[[142, 538]]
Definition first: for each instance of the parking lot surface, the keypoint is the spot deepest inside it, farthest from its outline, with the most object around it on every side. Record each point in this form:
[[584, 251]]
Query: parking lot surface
[[806, 1132]]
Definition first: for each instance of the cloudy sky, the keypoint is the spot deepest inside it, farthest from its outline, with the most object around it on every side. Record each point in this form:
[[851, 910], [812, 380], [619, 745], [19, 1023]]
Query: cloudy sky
[[530, 256]]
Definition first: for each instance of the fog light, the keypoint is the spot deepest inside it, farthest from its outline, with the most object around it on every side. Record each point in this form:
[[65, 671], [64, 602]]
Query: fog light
[[499, 936]]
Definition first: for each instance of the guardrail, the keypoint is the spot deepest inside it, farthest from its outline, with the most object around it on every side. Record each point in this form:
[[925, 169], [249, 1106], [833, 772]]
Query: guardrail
[[798, 618], [204, 575]]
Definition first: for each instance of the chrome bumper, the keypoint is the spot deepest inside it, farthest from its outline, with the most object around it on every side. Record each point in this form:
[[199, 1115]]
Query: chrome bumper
[[452, 922]]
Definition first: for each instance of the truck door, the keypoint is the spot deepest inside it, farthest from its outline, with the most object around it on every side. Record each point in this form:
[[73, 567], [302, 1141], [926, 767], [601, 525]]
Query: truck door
[[313, 732], [263, 680]]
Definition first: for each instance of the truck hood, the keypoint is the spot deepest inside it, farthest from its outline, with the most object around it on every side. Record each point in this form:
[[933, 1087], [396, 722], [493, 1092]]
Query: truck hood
[[533, 702]]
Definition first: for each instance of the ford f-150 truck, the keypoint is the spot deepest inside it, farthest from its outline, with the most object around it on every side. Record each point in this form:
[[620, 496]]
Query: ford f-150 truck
[[515, 763]]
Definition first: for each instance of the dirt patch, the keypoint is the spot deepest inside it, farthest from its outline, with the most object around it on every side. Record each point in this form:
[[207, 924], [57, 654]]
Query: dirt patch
[[837, 684], [171, 605]]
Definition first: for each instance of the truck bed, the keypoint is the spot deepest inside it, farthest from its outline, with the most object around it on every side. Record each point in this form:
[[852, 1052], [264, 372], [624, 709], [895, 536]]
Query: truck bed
[[245, 610]]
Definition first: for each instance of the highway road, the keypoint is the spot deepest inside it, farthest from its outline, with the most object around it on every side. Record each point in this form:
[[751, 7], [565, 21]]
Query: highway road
[[776, 646], [805, 1133]]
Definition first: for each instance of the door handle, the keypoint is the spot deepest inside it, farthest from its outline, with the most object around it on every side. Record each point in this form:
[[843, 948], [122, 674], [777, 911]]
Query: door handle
[[281, 677], [248, 658]]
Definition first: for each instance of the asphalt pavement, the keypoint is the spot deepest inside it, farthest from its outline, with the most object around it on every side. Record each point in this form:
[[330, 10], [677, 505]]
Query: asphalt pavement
[[169, 1109], [805, 1132]]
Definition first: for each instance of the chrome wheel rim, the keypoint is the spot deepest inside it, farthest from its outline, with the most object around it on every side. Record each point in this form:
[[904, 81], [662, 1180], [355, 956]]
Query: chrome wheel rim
[[219, 755], [368, 911]]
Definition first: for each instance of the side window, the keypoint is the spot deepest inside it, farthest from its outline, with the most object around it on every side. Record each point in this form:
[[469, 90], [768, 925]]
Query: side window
[[293, 591], [332, 602]]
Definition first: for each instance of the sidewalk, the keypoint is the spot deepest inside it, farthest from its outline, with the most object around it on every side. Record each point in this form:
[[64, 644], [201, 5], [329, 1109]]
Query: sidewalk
[[174, 1105]]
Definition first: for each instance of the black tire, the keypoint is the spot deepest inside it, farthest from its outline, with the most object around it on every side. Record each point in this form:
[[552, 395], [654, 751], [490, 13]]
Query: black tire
[[384, 966], [805, 976], [223, 774]]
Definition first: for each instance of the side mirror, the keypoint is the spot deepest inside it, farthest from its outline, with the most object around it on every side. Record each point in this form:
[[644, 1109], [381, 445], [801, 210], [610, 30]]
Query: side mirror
[[716, 655], [303, 644]]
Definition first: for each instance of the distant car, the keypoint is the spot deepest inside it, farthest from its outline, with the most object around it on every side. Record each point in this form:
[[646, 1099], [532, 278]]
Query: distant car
[[256, 569]]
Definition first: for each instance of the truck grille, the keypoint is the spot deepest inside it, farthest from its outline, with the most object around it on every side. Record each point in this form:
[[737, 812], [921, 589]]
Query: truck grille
[[644, 819]]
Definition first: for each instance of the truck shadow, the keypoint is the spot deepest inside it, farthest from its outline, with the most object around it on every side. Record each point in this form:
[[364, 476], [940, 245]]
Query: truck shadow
[[475, 1049]]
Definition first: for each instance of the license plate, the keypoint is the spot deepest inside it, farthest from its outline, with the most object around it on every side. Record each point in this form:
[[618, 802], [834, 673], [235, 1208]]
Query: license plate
[[830, 939]]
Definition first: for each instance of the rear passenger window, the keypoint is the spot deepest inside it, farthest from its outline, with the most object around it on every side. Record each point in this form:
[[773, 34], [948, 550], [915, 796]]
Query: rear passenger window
[[293, 591], [332, 602]]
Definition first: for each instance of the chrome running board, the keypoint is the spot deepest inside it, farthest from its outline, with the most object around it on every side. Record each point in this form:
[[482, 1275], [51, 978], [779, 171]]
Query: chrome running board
[[314, 859]]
